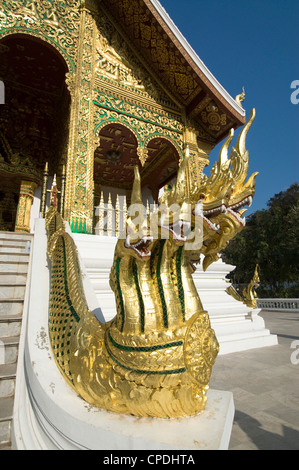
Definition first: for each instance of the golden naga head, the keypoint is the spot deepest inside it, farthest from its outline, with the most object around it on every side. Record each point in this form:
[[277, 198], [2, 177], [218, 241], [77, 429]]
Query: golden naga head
[[222, 197], [137, 237], [173, 212], [210, 212], [249, 292]]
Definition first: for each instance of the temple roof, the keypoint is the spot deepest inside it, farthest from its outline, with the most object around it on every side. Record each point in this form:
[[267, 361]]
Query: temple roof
[[176, 67]]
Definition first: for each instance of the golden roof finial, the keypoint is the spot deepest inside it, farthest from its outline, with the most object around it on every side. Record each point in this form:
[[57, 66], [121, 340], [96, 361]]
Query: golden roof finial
[[241, 97]]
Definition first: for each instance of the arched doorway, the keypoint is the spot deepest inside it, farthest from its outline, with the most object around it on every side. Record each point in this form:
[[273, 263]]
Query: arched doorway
[[114, 161], [33, 121], [115, 157], [161, 166], [117, 154]]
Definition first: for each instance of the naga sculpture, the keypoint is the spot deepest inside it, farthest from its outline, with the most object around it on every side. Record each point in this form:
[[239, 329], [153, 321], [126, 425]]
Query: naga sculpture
[[249, 295], [155, 357]]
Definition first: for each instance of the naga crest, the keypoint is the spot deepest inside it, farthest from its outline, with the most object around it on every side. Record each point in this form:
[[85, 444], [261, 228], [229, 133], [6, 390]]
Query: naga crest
[[155, 357]]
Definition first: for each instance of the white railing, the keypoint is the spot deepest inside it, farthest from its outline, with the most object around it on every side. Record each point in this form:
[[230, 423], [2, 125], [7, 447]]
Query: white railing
[[110, 217], [290, 305]]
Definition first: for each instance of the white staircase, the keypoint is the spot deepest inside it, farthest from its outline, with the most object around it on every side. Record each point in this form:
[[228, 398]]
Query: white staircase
[[96, 253], [14, 261], [237, 326]]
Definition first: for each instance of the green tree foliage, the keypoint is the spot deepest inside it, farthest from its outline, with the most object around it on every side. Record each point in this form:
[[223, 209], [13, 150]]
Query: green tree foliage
[[271, 240]]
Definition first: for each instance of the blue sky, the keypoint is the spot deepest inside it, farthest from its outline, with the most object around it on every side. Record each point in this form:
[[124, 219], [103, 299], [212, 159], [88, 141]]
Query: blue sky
[[255, 44]]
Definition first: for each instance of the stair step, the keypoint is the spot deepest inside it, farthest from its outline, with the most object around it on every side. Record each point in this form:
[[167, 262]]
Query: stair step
[[5, 445], [12, 242], [6, 414], [4, 282], [5, 433], [6, 408], [12, 291], [14, 262], [14, 267], [10, 277], [8, 257], [10, 325], [7, 380], [15, 236], [9, 349], [14, 248], [10, 307], [7, 371]]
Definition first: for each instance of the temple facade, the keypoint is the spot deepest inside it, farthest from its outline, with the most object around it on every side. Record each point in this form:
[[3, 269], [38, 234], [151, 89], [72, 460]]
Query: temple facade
[[92, 89]]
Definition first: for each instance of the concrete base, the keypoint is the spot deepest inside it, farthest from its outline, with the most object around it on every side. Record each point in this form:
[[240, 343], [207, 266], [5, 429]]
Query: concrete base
[[88, 428]]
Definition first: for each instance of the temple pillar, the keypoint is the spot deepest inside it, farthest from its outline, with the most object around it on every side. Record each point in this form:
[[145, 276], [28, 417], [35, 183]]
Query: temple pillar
[[24, 206], [78, 207], [198, 153]]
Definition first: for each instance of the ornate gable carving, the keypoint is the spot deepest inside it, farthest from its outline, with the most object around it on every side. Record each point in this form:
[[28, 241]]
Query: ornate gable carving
[[117, 64]]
